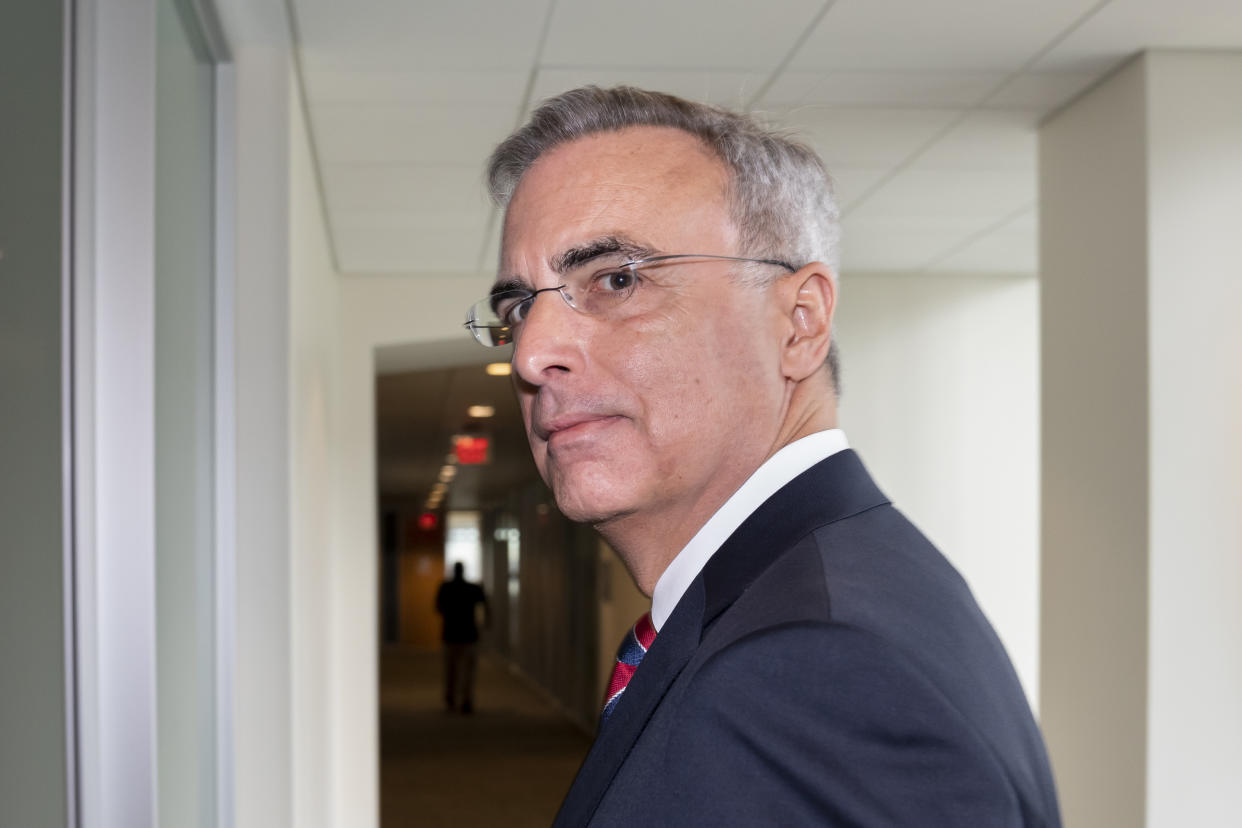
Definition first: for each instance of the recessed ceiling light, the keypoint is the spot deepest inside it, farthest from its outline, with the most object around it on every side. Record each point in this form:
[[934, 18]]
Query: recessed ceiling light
[[499, 369], [481, 411], [447, 473]]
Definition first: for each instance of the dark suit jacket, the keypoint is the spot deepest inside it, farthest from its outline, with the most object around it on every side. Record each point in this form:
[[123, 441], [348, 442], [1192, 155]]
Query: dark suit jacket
[[827, 667]]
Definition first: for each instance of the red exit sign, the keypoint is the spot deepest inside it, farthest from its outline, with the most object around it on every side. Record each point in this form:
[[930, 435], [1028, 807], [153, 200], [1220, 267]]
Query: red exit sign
[[471, 451]]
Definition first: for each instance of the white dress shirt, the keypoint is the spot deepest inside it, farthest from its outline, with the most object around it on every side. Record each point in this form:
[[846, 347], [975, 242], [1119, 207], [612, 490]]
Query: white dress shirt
[[776, 471]]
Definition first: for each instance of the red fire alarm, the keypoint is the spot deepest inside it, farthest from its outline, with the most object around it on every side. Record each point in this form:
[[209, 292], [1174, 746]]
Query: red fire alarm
[[428, 521]]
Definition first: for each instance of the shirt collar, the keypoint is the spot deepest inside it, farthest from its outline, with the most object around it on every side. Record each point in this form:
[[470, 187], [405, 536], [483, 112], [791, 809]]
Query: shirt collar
[[766, 480]]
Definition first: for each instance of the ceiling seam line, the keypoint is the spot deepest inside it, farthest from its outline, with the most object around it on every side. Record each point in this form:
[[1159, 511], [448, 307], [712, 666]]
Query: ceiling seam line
[[1048, 47], [919, 151], [979, 234], [318, 165], [790, 55], [901, 166]]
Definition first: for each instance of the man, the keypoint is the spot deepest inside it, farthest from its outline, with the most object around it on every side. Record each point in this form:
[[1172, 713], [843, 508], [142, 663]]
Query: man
[[668, 281], [457, 602]]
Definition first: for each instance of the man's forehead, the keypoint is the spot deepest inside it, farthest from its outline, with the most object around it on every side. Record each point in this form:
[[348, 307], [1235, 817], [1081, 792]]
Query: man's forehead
[[603, 166], [612, 192], [667, 146]]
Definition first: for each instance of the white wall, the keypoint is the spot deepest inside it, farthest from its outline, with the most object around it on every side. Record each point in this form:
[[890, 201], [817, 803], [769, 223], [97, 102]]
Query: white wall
[[313, 342], [941, 400], [1141, 182], [292, 764], [264, 681], [1194, 156], [1094, 422]]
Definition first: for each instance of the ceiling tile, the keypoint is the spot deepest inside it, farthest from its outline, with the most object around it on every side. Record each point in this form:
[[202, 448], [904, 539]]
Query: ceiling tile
[[1042, 91], [971, 35], [464, 34], [331, 82], [977, 197], [728, 34], [922, 89], [1121, 29], [986, 139], [861, 137], [899, 245], [445, 133], [791, 88], [404, 188], [1011, 248], [851, 182], [731, 88]]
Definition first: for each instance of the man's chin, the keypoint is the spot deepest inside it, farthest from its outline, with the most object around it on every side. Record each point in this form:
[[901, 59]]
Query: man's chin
[[594, 514], [591, 510], [589, 492]]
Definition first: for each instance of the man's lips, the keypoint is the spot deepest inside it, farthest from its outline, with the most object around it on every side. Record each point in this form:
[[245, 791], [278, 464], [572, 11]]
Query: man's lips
[[565, 425]]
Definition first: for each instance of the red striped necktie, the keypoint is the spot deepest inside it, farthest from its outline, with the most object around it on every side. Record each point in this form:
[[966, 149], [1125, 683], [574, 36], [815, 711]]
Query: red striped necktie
[[629, 655]]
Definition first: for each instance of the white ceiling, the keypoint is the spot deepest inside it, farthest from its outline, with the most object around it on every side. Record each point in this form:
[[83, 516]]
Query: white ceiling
[[924, 110]]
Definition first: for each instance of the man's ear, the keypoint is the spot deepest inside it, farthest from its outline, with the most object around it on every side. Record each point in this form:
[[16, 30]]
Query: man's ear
[[810, 311]]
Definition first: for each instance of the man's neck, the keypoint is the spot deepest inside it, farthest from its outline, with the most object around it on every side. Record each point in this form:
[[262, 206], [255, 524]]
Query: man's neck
[[648, 542]]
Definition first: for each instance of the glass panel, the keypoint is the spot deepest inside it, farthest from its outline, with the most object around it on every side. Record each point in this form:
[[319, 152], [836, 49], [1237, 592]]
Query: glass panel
[[464, 544], [184, 267], [515, 589]]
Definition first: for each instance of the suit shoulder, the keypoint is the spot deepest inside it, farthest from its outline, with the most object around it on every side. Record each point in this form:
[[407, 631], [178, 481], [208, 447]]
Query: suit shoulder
[[827, 668], [833, 723], [870, 599]]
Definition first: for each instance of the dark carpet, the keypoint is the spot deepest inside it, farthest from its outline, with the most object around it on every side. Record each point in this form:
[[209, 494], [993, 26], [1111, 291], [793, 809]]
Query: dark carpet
[[507, 764]]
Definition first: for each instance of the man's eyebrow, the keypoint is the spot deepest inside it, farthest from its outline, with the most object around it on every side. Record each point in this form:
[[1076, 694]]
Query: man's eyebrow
[[508, 284], [603, 246], [579, 255]]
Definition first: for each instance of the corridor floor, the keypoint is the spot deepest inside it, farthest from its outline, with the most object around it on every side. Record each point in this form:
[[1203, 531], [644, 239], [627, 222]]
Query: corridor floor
[[509, 764]]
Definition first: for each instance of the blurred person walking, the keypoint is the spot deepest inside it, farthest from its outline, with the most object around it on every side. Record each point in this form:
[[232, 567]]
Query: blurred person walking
[[456, 602]]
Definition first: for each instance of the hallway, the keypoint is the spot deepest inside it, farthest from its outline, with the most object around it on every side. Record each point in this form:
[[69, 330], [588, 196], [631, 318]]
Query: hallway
[[510, 763]]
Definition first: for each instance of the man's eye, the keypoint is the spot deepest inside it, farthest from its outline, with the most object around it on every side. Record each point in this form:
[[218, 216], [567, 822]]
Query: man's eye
[[615, 280], [513, 309]]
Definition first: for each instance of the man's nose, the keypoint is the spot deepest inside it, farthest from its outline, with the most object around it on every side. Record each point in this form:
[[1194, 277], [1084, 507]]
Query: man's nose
[[549, 340]]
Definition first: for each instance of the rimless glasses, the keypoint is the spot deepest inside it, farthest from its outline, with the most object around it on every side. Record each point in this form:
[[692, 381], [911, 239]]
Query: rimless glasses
[[612, 292]]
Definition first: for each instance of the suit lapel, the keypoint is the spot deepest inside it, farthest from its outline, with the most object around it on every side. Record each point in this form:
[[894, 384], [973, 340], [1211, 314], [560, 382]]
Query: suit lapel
[[829, 491]]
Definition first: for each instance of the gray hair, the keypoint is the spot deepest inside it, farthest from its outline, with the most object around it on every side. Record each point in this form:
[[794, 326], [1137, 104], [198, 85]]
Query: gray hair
[[780, 196]]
